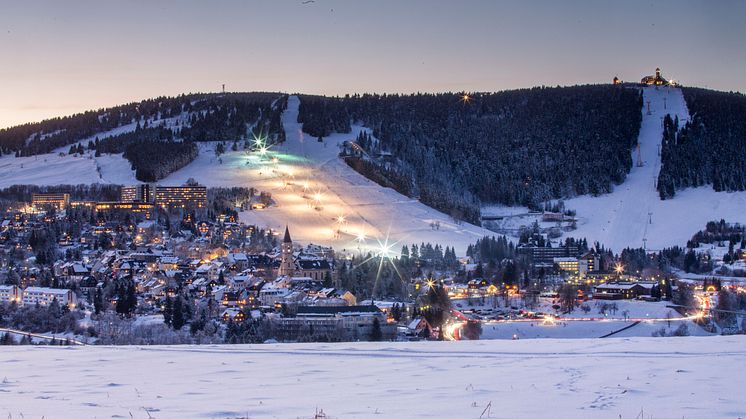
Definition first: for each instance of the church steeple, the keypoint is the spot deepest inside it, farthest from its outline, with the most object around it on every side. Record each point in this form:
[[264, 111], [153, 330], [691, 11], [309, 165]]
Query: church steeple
[[287, 262]]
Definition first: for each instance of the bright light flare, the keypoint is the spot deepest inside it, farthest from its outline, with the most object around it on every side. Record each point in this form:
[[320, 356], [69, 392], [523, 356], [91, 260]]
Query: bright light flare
[[341, 219], [451, 331], [361, 237], [385, 249], [259, 140], [619, 268]]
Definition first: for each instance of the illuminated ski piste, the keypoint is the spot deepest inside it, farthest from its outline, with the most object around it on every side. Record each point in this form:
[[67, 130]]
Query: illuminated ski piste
[[323, 200]]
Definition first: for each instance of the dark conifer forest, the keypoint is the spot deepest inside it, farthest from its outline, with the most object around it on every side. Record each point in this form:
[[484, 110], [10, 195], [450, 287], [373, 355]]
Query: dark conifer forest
[[708, 150], [519, 147]]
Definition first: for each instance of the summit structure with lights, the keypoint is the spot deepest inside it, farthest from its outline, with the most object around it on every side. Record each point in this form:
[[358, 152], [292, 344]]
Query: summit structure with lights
[[657, 79]]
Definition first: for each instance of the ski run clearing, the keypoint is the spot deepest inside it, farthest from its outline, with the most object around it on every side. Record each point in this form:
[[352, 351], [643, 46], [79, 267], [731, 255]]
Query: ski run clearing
[[313, 188], [633, 215], [688, 377]]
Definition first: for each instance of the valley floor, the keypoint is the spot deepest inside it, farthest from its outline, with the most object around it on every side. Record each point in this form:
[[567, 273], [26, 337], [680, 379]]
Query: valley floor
[[691, 377]]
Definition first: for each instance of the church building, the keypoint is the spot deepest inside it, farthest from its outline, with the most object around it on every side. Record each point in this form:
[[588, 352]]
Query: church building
[[302, 265]]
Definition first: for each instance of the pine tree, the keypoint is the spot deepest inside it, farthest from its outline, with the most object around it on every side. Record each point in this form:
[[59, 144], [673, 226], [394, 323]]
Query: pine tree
[[168, 311], [376, 334], [98, 301], [178, 320], [131, 298]]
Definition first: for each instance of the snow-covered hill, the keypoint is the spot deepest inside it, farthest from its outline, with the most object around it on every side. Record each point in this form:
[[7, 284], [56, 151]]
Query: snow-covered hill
[[55, 169], [634, 212], [633, 215], [368, 209], [59, 168], [619, 219], [635, 377]]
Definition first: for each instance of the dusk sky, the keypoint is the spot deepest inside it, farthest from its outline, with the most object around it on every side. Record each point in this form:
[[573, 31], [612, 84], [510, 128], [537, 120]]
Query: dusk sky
[[62, 57]]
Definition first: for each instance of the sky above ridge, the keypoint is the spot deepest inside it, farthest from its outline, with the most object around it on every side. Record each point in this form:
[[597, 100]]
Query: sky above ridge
[[58, 58]]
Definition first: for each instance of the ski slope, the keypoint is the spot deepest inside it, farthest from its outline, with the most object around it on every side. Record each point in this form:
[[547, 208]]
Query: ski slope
[[60, 168], [585, 378], [313, 187], [633, 215], [53, 169]]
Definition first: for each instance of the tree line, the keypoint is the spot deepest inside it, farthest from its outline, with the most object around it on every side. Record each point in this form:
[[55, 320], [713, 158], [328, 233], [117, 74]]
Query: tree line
[[708, 149]]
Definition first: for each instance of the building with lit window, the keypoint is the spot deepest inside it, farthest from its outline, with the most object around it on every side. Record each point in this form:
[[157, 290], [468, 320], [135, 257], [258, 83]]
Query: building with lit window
[[181, 197], [136, 193], [544, 256], [656, 80], [10, 294], [45, 296], [46, 201], [83, 204], [137, 210], [568, 264]]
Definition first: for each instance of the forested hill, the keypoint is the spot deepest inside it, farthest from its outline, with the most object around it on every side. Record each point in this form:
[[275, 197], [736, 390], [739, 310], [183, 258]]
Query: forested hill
[[708, 150], [157, 135], [518, 147]]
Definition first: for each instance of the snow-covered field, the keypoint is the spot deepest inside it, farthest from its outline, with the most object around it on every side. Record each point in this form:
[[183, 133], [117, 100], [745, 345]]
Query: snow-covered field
[[368, 209], [631, 318], [595, 378]]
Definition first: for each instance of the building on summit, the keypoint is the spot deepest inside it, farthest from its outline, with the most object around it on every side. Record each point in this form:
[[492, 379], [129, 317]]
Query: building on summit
[[656, 80]]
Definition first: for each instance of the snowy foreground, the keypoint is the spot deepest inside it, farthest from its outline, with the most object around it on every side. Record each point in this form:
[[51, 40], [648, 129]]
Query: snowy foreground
[[689, 377]]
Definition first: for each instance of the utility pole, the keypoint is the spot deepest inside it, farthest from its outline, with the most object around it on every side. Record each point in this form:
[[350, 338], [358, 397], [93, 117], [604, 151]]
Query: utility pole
[[649, 113], [223, 88], [664, 103]]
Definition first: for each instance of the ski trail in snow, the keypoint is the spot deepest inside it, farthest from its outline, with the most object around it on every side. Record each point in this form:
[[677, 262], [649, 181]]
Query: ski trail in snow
[[368, 208], [627, 216]]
